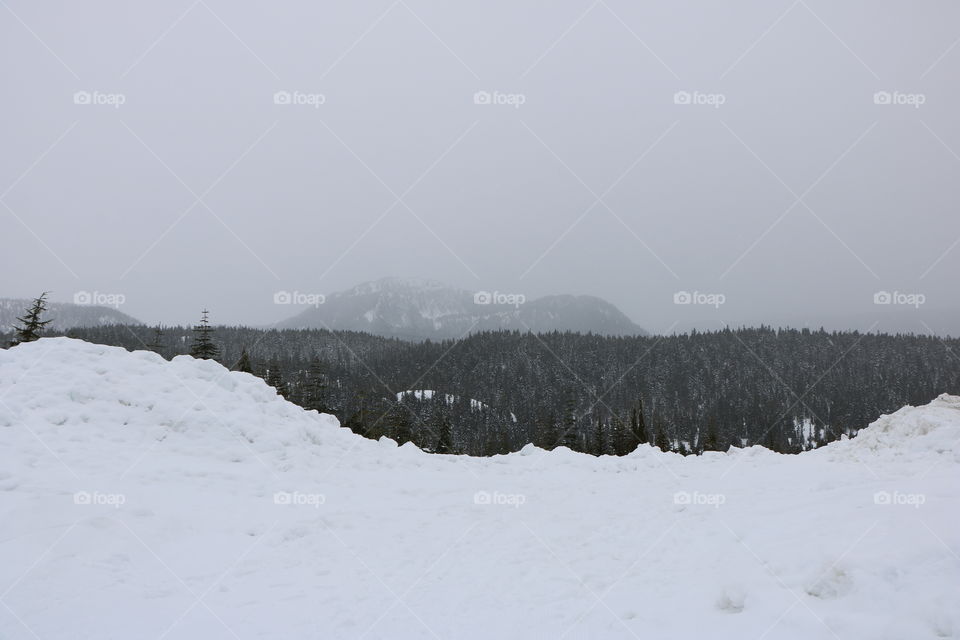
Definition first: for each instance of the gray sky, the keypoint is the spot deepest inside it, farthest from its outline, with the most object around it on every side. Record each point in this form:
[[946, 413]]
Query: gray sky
[[778, 180]]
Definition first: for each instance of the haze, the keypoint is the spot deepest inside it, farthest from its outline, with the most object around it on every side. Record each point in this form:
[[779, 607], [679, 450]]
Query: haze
[[819, 168]]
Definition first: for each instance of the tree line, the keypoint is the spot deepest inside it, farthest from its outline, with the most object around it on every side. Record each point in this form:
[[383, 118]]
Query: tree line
[[494, 392]]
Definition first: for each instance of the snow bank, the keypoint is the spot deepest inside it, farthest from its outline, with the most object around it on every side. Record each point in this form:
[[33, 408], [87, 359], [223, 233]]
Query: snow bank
[[141, 498]]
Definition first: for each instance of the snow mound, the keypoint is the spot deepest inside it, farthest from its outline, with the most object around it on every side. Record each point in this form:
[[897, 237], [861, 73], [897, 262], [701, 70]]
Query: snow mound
[[931, 428], [77, 392], [141, 498]]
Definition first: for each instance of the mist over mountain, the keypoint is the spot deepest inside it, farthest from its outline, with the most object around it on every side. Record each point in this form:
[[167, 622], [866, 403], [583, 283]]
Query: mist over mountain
[[420, 309], [65, 315]]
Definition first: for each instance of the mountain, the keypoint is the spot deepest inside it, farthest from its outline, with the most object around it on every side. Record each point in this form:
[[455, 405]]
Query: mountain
[[65, 315], [421, 309]]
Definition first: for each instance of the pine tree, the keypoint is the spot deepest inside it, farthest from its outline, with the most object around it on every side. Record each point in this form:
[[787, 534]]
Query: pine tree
[[711, 441], [203, 346], [638, 426], [661, 441], [275, 377], [156, 343], [31, 324], [315, 395], [243, 364], [445, 439]]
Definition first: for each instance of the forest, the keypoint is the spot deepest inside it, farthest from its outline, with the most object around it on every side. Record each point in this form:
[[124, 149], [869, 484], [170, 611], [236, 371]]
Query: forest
[[494, 392]]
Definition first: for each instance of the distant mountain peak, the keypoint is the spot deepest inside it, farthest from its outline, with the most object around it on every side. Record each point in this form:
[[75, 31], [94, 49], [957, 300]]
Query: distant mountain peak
[[417, 308]]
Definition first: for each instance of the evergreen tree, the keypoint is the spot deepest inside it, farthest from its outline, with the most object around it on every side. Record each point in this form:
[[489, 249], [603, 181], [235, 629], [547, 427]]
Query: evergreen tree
[[315, 395], [445, 438], [244, 364], [275, 377], [711, 441], [156, 342], [32, 326], [203, 346], [661, 441], [638, 426]]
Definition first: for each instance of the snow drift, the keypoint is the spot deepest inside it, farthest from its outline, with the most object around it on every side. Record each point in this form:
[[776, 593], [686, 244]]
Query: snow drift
[[141, 498]]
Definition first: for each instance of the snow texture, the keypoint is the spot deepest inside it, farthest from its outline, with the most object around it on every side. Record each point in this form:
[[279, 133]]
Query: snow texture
[[141, 498]]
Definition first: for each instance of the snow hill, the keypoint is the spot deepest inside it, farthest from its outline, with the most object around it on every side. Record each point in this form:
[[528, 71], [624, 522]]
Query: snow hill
[[141, 498], [419, 309]]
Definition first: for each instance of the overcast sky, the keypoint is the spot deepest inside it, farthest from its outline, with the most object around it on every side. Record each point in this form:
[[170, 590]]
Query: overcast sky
[[777, 177]]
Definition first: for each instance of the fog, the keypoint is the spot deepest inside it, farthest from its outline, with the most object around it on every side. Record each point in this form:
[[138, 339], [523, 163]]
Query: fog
[[795, 160]]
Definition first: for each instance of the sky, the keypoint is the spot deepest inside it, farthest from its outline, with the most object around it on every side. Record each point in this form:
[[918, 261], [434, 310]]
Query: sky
[[697, 164]]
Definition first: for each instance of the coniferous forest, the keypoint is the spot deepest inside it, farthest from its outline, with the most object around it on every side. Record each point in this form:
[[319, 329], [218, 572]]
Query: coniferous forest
[[489, 393]]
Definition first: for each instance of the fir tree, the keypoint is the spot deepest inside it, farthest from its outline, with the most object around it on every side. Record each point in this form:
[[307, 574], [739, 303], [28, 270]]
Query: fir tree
[[243, 364], [711, 441], [275, 377], [661, 441], [203, 346], [445, 439], [32, 325], [156, 343]]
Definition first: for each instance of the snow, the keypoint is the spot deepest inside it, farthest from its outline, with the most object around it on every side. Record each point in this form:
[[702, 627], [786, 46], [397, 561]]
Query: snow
[[141, 498]]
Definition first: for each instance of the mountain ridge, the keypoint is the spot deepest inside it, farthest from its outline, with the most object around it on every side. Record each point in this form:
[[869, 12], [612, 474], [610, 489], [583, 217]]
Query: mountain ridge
[[417, 309]]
